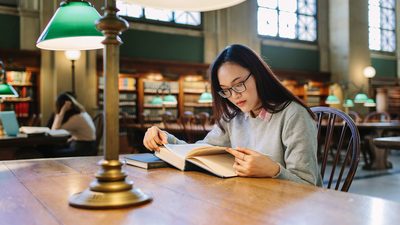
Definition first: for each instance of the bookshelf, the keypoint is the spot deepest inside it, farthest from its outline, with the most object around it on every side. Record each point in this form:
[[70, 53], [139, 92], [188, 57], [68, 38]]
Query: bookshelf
[[25, 82], [192, 86], [127, 85], [313, 93], [153, 88]]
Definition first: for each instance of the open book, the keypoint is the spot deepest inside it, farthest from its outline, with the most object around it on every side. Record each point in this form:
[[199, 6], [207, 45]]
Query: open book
[[29, 130], [211, 158]]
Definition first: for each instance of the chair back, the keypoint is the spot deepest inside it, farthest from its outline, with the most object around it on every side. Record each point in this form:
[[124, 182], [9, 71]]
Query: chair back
[[355, 116], [98, 124], [377, 117], [338, 147]]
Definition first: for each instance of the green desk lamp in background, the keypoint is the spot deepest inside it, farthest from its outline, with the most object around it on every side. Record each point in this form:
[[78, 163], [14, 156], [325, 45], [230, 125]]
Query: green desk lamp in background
[[6, 90], [109, 189]]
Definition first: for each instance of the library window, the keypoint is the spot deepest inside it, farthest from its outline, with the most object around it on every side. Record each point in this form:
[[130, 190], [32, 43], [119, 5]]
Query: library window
[[159, 15], [382, 25], [288, 19]]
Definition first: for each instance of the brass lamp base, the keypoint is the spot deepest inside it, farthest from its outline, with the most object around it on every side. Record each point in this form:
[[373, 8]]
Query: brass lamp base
[[99, 200], [109, 190]]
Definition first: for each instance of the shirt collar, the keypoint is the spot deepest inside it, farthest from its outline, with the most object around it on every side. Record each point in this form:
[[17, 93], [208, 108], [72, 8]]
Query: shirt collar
[[263, 115]]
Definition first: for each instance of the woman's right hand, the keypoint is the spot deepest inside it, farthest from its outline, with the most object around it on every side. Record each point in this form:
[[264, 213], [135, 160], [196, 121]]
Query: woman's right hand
[[154, 138]]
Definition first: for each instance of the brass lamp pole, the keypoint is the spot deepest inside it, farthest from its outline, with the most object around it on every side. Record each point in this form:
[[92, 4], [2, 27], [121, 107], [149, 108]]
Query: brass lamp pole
[[110, 189]]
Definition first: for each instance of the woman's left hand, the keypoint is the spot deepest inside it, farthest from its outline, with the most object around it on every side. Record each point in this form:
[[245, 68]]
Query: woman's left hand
[[249, 163]]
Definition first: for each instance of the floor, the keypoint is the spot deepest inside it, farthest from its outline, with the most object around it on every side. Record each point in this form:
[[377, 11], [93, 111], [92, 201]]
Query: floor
[[382, 184]]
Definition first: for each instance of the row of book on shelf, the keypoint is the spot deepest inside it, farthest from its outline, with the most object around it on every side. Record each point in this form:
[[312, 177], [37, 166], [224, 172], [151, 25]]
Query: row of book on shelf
[[19, 77], [124, 83], [21, 109]]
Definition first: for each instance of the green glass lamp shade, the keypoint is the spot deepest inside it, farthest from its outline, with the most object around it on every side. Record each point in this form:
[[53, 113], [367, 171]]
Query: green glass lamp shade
[[360, 98], [170, 100], [7, 90], [370, 103], [348, 103], [157, 101], [205, 97], [332, 99], [72, 28]]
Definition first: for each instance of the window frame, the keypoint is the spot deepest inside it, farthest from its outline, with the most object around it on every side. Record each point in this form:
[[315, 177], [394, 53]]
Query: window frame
[[383, 52], [145, 20], [294, 40]]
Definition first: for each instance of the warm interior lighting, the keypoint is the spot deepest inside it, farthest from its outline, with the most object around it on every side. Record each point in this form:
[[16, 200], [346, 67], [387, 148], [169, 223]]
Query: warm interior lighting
[[332, 99], [67, 31], [72, 54], [370, 103], [369, 72], [360, 98], [348, 103]]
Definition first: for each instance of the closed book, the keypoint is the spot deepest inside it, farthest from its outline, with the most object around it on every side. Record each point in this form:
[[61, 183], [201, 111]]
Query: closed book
[[145, 160], [213, 159]]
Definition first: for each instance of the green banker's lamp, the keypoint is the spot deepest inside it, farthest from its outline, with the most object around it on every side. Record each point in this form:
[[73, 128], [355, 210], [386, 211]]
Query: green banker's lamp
[[206, 96], [6, 90], [73, 28]]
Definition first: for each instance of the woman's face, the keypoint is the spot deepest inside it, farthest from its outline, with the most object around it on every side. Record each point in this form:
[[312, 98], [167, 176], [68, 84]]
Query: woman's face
[[231, 74]]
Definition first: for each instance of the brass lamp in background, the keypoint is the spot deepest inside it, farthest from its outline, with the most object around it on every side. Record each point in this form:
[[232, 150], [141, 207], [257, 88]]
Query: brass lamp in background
[[65, 31], [72, 55]]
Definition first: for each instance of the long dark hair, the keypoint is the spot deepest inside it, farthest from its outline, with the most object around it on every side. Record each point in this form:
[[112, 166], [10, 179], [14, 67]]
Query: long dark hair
[[76, 108], [273, 95]]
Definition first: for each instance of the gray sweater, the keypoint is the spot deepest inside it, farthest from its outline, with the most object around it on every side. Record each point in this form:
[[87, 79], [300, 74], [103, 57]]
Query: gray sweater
[[288, 137]]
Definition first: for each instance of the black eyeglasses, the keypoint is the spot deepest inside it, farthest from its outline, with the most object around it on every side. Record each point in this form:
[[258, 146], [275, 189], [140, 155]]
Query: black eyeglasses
[[238, 88]]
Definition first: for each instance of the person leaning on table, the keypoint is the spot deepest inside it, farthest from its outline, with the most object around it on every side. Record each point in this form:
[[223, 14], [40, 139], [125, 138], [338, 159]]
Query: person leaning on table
[[268, 130]]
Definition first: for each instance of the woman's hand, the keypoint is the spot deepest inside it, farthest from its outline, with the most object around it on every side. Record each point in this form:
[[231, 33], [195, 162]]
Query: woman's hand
[[153, 138], [249, 163], [67, 106]]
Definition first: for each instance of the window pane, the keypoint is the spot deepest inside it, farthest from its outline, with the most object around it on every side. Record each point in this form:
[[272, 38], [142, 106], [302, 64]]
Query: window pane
[[190, 18], [134, 11], [268, 3], [288, 5], [388, 41], [374, 20], [307, 7], [374, 38], [373, 2], [388, 19], [158, 14], [267, 22], [287, 25], [388, 4], [307, 28]]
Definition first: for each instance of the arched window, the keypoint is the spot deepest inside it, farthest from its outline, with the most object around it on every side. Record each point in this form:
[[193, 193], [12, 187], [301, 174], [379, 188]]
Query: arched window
[[382, 25], [161, 15], [289, 19]]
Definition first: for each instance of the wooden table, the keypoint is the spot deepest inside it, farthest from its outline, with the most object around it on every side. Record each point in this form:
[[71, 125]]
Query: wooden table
[[37, 191], [9, 145], [374, 130], [388, 142]]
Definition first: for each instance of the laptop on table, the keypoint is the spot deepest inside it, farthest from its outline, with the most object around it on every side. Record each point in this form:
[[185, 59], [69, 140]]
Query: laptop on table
[[10, 123]]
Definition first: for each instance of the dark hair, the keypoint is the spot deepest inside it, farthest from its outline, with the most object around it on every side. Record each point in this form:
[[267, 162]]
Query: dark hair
[[273, 95], [76, 108]]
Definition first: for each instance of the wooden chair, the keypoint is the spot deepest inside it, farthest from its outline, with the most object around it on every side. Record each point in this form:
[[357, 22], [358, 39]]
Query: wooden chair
[[98, 123], [355, 116], [377, 117], [339, 147]]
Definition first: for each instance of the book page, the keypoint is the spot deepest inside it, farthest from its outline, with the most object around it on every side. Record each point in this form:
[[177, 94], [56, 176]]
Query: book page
[[32, 130], [220, 165], [190, 150]]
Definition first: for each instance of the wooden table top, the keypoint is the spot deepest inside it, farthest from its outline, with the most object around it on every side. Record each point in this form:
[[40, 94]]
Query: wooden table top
[[388, 142], [37, 192]]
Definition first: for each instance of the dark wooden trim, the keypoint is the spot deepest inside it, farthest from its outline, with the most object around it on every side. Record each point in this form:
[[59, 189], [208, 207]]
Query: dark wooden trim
[[20, 59], [303, 76]]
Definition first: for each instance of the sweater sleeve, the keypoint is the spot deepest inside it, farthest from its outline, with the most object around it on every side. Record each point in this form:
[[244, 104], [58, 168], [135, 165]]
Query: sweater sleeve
[[299, 136]]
